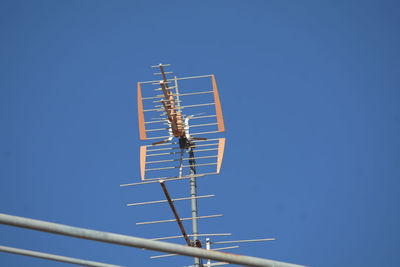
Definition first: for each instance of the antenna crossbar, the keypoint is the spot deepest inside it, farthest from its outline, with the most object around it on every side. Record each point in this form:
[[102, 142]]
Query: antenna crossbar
[[172, 178], [169, 255], [178, 236], [182, 107], [170, 160], [163, 201], [173, 148], [186, 94], [243, 241], [176, 143], [195, 125], [183, 166], [163, 65], [159, 73], [164, 137], [200, 150], [182, 219], [202, 117], [160, 89], [184, 78], [152, 97]]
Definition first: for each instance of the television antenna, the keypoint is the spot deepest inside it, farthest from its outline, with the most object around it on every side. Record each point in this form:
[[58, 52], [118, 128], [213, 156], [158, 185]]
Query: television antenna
[[177, 125], [173, 108]]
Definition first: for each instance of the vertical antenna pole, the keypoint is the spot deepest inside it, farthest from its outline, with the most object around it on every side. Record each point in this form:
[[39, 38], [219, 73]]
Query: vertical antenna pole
[[193, 194], [208, 247]]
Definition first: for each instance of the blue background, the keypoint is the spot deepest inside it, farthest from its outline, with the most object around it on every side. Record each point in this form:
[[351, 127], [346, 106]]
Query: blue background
[[310, 95]]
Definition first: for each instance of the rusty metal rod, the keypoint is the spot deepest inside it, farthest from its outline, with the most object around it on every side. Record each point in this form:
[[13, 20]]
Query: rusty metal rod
[[178, 219]]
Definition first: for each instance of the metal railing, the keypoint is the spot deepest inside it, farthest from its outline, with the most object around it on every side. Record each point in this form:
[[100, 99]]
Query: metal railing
[[137, 242]]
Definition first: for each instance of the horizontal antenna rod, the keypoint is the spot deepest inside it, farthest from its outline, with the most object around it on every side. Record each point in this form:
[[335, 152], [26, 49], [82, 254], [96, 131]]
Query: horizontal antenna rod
[[197, 93], [184, 78], [174, 178], [170, 153], [155, 130], [242, 241], [160, 96], [169, 255], [163, 65], [152, 97], [201, 117], [157, 121], [225, 248], [170, 160], [174, 148], [193, 118], [192, 134], [187, 94], [160, 89], [212, 264], [171, 178], [132, 241], [179, 236], [181, 107], [159, 73], [163, 256], [176, 143], [194, 125], [183, 166], [182, 219], [54, 257], [163, 201], [204, 124]]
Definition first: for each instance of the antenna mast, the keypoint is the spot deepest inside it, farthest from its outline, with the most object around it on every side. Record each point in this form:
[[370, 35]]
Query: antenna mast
[[174, 108]]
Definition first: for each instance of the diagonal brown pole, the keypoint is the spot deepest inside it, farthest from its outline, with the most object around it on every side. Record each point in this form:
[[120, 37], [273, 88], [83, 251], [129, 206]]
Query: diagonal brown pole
[[178, 219], [163, 74]]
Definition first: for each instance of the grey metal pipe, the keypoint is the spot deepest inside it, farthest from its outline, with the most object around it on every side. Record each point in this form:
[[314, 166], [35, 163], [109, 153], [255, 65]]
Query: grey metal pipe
[[137, 242], [53, 257], [193, 194]]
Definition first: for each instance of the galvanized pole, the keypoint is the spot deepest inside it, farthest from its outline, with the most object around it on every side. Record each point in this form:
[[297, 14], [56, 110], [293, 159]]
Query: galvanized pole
[[193, 194], [54, 257], [208, 247], [132, 241]]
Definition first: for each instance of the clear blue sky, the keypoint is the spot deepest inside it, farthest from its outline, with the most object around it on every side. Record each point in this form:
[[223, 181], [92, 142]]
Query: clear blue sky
[[312, 156]]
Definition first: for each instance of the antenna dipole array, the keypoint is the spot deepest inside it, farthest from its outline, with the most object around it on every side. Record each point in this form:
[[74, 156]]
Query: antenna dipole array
[[167, 114]]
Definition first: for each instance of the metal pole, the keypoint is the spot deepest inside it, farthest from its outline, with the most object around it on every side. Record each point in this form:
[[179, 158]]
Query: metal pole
[[178, 219], [53, 257], [193, 194], [138, 242], [208, 247]]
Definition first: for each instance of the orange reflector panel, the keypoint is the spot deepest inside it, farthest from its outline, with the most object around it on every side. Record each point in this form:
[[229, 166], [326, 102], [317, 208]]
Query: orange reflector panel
[[142, 129], [143, 150], [221, 147], [218, 110]]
